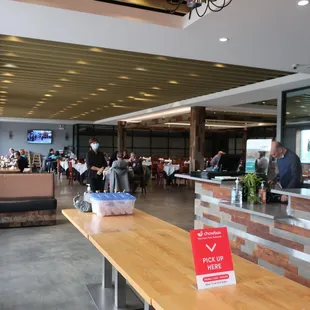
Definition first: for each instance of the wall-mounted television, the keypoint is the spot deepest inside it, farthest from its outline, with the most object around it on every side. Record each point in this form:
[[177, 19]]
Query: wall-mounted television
[[40, 136]]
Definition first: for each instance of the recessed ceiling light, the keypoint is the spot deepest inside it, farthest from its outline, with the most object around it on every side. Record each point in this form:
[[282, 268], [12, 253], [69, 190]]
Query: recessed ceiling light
[[96, 50], [2, 99], [147, 95], [41, 102], [79, 101], [264, 102], [156, 88], [10, 54], [3, 92], [72, 72], [14, 39], [57, 85], [44, 99], [302, 106], [120, 100], [93, 94], [194, 75], [61, 111], [112, 84], [223, 39], [162, 58], [141, 99], [48, 95], [34, 107], [64, 80], [7, 82], [101, 89], [52, 91], [297, 101], [123, 77], [38, 105], [8, 74], [219, 66], [85, 98], [5, 87], [173, 82], [82, 62], [92, 111], [69, 107], [74, 104], [140, 69], [131, 97], [10, 66], [288, 113], [98, 109], [303, 2]]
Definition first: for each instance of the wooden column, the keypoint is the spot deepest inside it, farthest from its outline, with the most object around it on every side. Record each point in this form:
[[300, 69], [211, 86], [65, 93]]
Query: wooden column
[[121, 134], [244, 140], [197, 138]]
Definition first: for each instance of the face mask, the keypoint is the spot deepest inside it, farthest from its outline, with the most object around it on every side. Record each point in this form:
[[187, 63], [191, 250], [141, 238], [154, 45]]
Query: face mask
[[95, 146]]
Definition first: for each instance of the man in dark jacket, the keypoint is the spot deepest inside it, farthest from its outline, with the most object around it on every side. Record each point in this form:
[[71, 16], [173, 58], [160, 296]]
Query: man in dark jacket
[[96, 163]]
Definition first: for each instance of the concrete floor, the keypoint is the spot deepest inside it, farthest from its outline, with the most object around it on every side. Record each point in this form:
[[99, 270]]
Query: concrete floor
[[45, 268]]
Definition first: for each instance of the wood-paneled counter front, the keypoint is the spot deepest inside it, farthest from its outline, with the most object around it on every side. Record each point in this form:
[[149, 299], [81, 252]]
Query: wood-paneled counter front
[[267, 235]]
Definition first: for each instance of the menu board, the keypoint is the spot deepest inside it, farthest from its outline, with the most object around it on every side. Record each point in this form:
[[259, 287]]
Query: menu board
[[258, 155], [305, 146]]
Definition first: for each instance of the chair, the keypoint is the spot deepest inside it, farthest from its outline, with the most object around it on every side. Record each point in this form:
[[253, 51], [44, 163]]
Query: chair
[[71, 174], [184, 169], [36, 161], [58, 169], [160, 174], [145, 178]]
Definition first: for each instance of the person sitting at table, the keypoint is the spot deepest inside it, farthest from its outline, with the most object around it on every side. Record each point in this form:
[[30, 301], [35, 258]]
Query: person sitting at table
[[136, 177], [119, 181], [50, 162], [96, 163], [11, 153], [21, 161], [23, 154], [125, 154]]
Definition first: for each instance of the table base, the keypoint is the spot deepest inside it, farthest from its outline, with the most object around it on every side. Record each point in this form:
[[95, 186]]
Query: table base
[[104, 298]]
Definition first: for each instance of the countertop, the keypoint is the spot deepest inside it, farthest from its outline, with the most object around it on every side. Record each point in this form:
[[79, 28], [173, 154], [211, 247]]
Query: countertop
[[271, 211], [293, 192], [220, 182]]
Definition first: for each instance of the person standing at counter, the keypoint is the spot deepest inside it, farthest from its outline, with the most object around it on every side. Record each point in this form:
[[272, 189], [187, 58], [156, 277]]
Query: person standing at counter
[[289, 166], [216, 159]]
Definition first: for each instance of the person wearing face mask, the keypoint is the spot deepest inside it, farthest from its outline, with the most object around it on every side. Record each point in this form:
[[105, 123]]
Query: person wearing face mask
[[96, 163], [289, 166]]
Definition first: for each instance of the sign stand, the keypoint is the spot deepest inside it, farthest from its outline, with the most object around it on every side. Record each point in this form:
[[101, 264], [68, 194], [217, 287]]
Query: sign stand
[[212, 257]]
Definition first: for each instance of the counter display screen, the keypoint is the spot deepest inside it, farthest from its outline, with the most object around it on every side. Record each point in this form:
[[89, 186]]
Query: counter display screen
[[305, 146]]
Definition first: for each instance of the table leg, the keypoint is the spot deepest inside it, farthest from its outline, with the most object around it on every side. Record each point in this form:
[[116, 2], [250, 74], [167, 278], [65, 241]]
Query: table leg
[[107, 273], [120, 290], [147, 306]]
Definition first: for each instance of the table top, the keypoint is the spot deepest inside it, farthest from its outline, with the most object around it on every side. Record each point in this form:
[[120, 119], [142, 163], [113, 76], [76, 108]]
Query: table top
[[90, 223], [294, 192], [8, 170], [159, 265]]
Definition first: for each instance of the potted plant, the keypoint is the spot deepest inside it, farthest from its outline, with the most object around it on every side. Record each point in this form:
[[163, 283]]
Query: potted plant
[[251, 183]]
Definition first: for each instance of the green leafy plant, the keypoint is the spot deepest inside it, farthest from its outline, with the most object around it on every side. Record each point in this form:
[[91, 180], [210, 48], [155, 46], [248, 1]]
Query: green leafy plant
[[251, 183]]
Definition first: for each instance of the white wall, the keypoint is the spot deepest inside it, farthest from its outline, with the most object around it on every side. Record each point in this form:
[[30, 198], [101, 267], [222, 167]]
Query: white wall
[[19, 139]]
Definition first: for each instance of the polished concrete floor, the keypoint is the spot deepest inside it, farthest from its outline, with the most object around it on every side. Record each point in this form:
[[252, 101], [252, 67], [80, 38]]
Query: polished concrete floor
[[45, 268]]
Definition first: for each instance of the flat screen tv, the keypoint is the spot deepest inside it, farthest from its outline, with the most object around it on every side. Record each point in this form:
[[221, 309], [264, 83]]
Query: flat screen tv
[[40, 136]]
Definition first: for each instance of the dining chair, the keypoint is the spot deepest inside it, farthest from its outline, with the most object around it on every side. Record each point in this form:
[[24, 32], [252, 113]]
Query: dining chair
[[71, 174]]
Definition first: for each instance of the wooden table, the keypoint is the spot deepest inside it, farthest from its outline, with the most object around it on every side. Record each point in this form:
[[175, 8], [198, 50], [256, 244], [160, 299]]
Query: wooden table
[[91, 224], [159, 266], [8, 170], [155, 258]]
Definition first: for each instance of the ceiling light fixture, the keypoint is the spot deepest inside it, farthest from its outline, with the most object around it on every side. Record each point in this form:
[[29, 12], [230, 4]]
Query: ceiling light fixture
[[223, 39], [82, 62], [194, 75], [140, 69], [3, 92], [101, 89], [96, 50], [10, 66], [156, 88], [93, 94], [52, 91], [120, 100], [123, 77], [162, 58], [7, 82], [14, 39], [74, 104], [131, 97], [72, 72], [219, 66], [48, 95], [10, 54], [173, 82], [85, 98], [303, 2], [8, 74], [57, 85], [64, 80], [41, 102], [112, 84], [79, 101]]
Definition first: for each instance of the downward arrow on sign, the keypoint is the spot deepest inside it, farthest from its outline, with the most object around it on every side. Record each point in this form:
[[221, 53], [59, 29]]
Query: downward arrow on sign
[[211, 249]]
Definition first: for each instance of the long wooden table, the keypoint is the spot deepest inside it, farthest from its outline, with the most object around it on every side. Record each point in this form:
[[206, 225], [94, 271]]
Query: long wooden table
[[156, 260]]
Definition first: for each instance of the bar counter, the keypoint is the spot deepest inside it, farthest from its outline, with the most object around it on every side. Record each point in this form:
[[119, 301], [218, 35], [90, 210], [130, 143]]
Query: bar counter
[[274, 236]]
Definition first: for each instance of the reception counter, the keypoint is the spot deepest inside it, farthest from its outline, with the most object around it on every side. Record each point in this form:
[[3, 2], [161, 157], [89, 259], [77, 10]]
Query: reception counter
[[274, 236]]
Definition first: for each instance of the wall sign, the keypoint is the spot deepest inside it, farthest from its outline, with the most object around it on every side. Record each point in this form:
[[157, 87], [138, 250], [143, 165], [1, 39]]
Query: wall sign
[[212, 257]]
